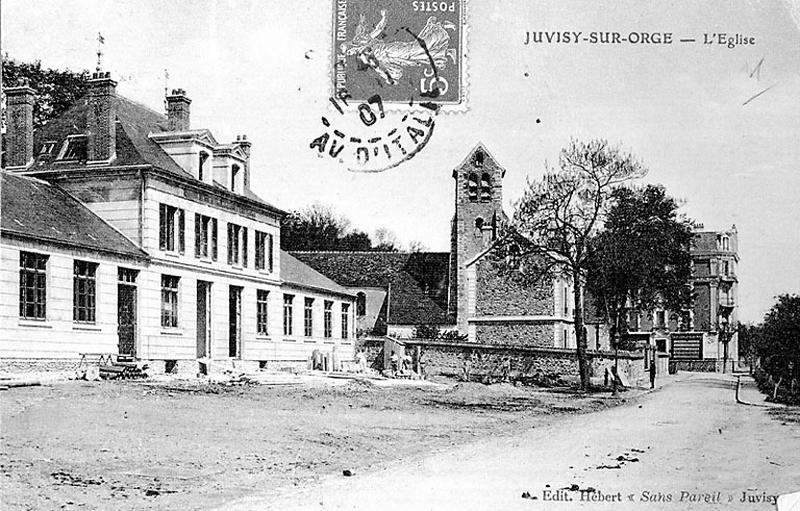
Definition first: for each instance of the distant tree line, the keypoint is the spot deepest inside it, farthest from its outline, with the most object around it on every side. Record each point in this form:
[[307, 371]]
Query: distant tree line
[[773, 346], [319, 227]]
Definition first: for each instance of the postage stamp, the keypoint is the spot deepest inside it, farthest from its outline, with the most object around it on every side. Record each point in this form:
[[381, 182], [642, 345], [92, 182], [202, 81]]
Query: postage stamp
[[403, 50]]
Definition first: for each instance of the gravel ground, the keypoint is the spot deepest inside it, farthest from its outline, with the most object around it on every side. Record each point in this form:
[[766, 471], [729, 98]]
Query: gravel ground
[[176, 444]]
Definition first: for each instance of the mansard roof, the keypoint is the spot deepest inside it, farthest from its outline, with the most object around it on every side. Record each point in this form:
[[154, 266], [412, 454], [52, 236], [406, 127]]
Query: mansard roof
[[38, 210], [417, 283], [135, 146]]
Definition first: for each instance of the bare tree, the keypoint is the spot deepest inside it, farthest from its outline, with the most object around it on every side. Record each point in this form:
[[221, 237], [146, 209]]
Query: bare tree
[[556, 218]]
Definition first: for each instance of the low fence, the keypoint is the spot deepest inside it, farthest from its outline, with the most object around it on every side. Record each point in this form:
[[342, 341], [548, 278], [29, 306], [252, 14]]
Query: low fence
[[448, 358], [710, 365]]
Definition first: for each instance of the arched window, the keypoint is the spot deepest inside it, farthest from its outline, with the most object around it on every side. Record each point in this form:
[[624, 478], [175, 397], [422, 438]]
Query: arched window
[[361, 304], [472, 187], [479, 160], [479, 223], [486, 187]]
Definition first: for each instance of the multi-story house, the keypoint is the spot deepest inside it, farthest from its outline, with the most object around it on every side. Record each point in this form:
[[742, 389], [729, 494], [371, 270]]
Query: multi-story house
[[175, 259], [704, 337]]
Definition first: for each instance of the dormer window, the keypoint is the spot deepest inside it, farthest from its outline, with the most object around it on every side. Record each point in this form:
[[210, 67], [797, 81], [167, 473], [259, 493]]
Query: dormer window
[[74, 148], [201, 165], [234, 177], [472, 187]]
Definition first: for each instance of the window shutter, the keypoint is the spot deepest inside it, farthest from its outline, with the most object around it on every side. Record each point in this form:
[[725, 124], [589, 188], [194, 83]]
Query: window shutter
[[162, 226], [269, 251], [181, 237], [197, 227], [244, 247], [230, 244], [214, 239]]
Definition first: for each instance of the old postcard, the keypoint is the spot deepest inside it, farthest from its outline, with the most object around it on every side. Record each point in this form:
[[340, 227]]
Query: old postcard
[[400, 254]]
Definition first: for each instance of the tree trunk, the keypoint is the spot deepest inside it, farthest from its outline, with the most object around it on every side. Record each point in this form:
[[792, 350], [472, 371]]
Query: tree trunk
[[775, 390], [580, 337]]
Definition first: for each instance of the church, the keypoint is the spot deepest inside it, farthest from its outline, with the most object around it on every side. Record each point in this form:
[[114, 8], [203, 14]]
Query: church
[[463, 291]]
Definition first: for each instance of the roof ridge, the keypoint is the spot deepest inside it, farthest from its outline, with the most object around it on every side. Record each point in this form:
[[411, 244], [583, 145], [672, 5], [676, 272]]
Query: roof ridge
[[140, 105]]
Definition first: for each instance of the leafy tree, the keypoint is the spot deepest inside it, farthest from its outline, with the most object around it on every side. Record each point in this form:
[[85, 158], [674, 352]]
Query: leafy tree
[[557, 218], [641, 258], [56, 90], [318, 227], [779, 341]]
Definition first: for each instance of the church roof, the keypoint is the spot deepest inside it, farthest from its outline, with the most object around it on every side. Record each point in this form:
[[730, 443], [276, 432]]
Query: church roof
[[417, 283], [38, 210]]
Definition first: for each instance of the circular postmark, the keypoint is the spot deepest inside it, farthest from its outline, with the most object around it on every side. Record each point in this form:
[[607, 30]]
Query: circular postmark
[[389, 82]]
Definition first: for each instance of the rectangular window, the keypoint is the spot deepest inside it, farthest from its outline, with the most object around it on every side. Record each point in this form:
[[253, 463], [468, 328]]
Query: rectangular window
[[328, 318], [205, 236], [287, 314], [308, 317], [237, 245], [661, 319], [171, 229], [84, 291], [169, 301], [345, 320], [262, 316], [127, 276], [566, 301], [263, 251], [32, 285]]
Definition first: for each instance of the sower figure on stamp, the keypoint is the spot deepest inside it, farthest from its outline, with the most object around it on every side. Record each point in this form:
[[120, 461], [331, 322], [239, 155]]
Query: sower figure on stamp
[[389, 59]]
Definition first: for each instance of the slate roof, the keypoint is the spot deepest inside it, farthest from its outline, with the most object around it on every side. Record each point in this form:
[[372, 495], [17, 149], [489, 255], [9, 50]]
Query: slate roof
[[296, 273], [134, 147], [417, 282], [32, 208]]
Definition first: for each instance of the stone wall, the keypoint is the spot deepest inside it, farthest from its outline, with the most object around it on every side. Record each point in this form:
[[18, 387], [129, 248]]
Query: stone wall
[[516, 334], [447, 359], [27, 365], [500, 294]]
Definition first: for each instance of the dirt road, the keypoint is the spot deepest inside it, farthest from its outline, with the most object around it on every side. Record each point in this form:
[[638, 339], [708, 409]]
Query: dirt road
[[686, 446]]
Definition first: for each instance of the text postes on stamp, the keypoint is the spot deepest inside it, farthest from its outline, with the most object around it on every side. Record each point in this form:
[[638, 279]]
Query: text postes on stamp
[[403, 50]]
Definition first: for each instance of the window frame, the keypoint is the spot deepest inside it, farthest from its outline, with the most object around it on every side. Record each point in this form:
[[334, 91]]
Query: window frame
[[170, 301], [262, 312], [37, 291], [327, 319], [288, 314], [345, 320], [361, 303], [84, 291], [308, 317], [171, 229]]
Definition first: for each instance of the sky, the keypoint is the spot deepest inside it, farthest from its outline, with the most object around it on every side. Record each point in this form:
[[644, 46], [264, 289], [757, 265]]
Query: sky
[[262, 68]]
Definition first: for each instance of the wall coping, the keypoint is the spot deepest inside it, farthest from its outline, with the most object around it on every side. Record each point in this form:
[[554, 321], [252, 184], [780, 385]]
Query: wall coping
[[505, 347]]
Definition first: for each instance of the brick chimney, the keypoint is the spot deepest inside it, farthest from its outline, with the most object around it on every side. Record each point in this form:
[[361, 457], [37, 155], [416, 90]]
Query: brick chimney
[[245, 144], [178, 110], [19, 134], [102, 118]]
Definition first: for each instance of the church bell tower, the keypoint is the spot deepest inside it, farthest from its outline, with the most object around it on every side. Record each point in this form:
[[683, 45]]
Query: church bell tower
[[477, 218]]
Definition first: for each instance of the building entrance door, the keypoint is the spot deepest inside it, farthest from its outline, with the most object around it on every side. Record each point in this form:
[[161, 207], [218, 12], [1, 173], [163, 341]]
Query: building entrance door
[[203, 319], [126, 319], [235, 322]]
